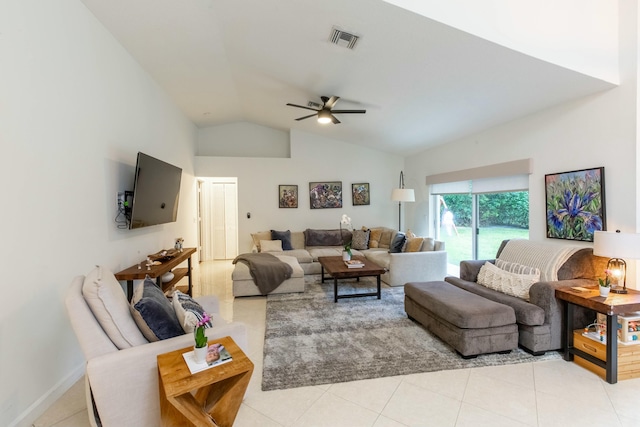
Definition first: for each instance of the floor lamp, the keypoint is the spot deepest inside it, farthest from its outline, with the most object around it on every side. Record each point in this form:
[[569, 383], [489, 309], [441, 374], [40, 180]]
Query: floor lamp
[[402, 195]]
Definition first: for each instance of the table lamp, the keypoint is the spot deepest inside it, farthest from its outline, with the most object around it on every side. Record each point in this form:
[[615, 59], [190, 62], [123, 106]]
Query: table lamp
[[402, 195], [617, 246]]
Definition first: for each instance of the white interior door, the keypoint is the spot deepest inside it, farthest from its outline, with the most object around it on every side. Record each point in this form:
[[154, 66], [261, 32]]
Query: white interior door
[[218, 219]]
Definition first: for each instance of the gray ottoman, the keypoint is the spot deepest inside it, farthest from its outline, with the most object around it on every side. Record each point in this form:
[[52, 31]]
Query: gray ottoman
[[469, 323]]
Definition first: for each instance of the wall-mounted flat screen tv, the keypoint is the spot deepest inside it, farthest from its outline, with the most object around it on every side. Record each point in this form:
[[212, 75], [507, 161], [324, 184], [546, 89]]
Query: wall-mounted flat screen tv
[[156, 192]]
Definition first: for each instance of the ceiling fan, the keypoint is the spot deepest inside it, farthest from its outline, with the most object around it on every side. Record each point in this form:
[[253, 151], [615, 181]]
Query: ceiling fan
[[326, 113]]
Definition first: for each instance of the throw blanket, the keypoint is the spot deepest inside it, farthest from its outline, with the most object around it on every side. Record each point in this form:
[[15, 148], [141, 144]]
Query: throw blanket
[[268, 271], [546, 257]]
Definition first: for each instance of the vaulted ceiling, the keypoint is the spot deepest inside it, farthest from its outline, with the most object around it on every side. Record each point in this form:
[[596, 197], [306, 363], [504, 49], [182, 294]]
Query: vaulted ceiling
[[423, 83]]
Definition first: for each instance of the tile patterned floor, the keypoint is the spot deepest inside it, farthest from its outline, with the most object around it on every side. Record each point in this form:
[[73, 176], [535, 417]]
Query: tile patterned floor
[[553, 393]]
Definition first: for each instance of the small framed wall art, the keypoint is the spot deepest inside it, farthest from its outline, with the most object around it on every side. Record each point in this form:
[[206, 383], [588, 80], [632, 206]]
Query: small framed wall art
[[326, 194], [288, 196], [575, 204], [360, 195]]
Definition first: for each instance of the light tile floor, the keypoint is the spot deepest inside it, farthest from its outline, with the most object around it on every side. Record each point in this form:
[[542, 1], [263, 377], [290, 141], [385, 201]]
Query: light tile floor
[[552, 393]]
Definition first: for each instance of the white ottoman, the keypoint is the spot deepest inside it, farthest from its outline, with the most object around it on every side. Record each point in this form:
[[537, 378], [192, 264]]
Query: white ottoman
[[243, 282]]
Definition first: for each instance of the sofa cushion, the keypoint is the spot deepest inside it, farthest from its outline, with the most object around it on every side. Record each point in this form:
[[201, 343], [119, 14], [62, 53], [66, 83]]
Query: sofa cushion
[[270, 245], [335, 237], [154, 313], [285, 236], [380, 257], [188, 311], [509, 283], [374, 237], [413, 244], [261, 235], [360, 239], [106, 299], [319, 251], [398, 243], [385, 239], [583, 265]]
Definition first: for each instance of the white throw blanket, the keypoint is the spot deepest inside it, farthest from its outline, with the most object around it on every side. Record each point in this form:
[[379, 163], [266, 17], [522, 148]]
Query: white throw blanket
[[546, 257]]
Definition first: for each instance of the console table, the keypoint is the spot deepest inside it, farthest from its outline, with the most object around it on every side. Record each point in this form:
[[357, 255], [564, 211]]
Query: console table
[[156, 271], [612, 306]]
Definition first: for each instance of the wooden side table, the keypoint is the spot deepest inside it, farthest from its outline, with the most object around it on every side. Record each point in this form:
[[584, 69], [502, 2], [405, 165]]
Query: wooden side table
[[612, 306], [218, 390]]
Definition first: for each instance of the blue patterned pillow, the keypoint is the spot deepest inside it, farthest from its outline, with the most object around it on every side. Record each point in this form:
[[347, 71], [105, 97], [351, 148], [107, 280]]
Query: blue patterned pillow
[[285, 236], [188, 311]]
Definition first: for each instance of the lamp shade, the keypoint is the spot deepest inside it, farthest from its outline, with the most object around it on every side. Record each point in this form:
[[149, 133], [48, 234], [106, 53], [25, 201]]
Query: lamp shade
[[616, 245], [403, 195]]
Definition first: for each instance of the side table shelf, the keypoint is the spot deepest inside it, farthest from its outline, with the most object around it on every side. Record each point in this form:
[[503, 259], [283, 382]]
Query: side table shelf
[[157, 271]]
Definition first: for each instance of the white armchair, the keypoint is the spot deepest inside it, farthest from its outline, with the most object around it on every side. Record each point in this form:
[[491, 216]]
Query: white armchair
[[122, 384]]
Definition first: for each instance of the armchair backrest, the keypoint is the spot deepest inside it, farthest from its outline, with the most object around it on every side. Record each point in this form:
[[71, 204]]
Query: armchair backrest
[[92, 338]]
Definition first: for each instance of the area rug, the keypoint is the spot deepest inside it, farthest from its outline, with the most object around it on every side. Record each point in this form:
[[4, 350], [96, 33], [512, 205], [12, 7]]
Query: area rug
[[310, 340]]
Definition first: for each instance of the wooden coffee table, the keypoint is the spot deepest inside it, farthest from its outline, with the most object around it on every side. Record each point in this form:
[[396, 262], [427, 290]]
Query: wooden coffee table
[[218, 390], [337, 269], [612, 306]]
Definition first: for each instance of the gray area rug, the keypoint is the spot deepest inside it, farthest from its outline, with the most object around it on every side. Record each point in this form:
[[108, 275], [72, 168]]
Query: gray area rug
[[310, 340]]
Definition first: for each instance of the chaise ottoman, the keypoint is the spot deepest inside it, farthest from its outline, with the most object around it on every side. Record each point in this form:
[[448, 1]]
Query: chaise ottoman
[[243, 282], [469, 323]]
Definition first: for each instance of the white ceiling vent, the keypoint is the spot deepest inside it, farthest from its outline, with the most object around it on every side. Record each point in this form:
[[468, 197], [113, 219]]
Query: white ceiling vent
[[342, 38]]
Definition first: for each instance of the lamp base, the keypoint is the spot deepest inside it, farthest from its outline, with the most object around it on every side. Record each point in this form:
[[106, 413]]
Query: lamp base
[[619, 290]]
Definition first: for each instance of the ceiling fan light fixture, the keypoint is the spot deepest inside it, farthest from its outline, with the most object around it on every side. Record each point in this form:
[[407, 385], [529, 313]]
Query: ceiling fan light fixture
[[324, 117]]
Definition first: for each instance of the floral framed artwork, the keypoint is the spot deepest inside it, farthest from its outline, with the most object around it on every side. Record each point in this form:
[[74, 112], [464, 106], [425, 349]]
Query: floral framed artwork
[[360, 195], [575, 204], [327, 194], [288, 196]]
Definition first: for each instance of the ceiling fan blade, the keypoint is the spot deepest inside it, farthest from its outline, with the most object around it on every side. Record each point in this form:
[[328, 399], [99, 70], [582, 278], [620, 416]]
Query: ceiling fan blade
[[348, 111], [331, 102], [335, 120], [306, 117], [302, 106]]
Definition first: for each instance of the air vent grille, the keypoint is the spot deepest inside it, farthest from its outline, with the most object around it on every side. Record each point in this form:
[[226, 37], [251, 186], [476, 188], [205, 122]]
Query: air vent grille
[[343, 38]]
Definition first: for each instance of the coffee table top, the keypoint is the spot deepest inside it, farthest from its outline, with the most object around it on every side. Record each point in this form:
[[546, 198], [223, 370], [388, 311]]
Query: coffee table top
[[335, 266], [589, 297]]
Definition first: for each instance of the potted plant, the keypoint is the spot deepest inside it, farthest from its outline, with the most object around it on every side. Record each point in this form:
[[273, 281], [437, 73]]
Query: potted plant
[[200, 347], [605, 284]]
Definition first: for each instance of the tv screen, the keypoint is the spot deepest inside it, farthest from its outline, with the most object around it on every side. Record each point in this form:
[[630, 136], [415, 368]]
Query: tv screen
[[156, 192]]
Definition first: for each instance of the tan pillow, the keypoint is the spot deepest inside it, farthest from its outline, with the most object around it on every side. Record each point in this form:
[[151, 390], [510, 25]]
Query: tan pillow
[[413, 244], [106, 299], [260, 235], [385, 239], [374, 237], [271, 245], [410, 234]]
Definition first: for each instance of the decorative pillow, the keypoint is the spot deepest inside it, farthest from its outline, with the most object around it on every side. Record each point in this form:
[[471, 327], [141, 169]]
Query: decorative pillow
[[270, 245], [188, 311], [413, 244], [285, 236], [374, 237], [108, 303], [508, 283], [261, 235], [514, 267], [360, 239], [385, 239], [398, 243], [410, 234], [154, 313], [428, 244], [325, 237]]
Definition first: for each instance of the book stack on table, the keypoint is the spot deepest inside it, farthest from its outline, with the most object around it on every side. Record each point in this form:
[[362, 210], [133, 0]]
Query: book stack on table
[[354, 263]]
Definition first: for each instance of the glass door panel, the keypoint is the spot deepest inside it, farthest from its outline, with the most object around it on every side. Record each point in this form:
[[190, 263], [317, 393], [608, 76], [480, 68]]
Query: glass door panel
[[501, 216]]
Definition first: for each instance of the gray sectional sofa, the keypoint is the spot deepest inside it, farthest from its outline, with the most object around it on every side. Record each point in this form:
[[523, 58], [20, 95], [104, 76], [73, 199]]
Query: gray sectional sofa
[[428, 263], [539, 319]]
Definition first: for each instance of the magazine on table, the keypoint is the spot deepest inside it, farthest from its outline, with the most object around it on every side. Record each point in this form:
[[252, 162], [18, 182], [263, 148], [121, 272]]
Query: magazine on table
[[216, 355], [354, 263]]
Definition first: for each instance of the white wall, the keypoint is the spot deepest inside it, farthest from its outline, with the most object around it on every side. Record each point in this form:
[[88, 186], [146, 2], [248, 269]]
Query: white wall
[[242, 139], [313, 158], [75, 108], [599, 130]]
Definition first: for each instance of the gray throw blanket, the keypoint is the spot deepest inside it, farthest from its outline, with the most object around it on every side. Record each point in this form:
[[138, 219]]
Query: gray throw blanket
[[268, 271]]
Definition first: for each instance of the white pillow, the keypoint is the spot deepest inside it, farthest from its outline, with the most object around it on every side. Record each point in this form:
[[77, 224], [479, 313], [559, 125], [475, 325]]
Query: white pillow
[[189, 312], [270, 245], [506, 282]]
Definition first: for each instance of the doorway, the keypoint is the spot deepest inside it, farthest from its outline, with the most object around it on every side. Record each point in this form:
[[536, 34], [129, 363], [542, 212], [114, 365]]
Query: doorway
[[218, 218]]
